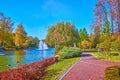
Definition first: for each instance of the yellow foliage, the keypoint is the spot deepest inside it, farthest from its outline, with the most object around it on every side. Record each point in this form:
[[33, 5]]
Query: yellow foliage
[[86, 44], [19, 39]]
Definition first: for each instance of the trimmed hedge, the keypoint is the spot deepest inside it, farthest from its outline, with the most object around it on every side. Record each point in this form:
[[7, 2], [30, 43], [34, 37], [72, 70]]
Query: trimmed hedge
[[112, 73], [69, 52], [33, 71]]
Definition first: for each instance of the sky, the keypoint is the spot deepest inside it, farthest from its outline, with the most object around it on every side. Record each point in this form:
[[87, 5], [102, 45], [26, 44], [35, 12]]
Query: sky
[[37, 15]]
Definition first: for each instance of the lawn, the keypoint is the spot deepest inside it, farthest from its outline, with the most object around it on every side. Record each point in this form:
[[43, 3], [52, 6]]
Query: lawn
[[56, 69], [112, 57]]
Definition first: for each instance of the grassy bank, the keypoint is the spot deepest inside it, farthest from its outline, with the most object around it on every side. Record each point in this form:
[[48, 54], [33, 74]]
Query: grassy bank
[[56, 69], [112, 57]]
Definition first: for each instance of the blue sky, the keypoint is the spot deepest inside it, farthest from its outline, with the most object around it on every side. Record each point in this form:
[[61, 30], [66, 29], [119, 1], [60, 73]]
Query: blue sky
[[38, 15]]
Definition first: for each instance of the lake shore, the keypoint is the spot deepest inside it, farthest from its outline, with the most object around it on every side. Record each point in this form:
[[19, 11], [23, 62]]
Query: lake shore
[[26, 56], [35, 70]]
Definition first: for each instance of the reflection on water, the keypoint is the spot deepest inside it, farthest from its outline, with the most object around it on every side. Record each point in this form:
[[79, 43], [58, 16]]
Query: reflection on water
[[11, 59], [18, 57], [4, 61]]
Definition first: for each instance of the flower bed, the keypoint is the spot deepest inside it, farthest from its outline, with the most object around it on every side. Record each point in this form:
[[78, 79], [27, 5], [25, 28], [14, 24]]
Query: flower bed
[[33, 71]]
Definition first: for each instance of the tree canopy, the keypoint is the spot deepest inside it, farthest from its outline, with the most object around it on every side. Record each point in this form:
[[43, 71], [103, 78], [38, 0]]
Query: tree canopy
[[83, 34], [62, 33], [10, 39], [20, 35]]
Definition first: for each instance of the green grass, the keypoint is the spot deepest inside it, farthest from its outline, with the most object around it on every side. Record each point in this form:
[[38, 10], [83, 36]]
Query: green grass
[[112, 57], [56, 69], [90, 50]]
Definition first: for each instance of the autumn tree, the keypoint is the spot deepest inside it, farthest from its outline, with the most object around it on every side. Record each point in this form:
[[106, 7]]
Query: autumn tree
[[8, 39], [106, 19], [20, 35], [86, 44], [118, 1], [6, 25], [113, 13], [63, 33], [91, 38], [108, 9], [100, 13]]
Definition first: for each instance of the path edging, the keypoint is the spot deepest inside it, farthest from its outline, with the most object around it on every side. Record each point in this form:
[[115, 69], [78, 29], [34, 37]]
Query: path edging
[[66, 71]]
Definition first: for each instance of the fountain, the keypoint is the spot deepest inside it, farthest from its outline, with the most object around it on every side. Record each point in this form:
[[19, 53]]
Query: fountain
[[42, 46]]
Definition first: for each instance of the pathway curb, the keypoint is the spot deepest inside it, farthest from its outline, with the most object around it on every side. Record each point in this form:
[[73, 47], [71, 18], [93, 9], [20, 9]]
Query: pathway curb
[[67, 70]]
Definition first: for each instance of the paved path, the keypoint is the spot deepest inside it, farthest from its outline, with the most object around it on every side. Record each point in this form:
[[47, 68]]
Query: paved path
[[89, 68]]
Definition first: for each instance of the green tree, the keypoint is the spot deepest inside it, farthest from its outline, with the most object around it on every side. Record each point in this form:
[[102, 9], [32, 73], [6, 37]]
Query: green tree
[[83, 34], [96, 36], [31, 42], [20, 35], [36, 40], [106, 28], [106, 45], [116, 45]]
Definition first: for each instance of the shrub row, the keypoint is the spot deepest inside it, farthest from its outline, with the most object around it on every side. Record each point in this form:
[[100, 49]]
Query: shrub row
[[69, 52], [112, 73], [33, 71]]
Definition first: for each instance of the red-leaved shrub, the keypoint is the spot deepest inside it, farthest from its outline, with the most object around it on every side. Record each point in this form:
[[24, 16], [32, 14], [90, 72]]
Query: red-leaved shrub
[[33, 71]]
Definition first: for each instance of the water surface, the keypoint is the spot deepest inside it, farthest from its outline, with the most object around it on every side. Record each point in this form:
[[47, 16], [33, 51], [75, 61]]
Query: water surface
[[11, 59]]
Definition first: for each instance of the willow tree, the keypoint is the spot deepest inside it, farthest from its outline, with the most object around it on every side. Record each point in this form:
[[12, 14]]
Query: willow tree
[[20, 35], [63, 33]]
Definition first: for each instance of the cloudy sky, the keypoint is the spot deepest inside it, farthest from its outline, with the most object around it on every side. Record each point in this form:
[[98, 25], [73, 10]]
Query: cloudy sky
[[38, 15]]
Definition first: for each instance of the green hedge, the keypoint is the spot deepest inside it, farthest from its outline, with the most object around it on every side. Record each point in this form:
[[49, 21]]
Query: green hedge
[[112, 73], [69, 52]]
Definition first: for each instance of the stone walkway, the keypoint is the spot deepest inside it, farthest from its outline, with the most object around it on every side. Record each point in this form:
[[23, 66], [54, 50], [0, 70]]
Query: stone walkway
[[88, 68]]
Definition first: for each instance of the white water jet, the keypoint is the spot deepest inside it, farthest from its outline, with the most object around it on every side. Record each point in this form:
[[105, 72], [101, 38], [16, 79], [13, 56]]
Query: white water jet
[[42, 45]]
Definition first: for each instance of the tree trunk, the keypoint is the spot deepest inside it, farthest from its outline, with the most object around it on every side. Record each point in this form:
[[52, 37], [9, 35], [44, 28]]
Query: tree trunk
[[112, 29]]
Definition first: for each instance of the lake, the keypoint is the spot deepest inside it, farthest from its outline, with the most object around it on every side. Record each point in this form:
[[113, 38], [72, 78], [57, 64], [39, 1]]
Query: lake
[[11, 59]]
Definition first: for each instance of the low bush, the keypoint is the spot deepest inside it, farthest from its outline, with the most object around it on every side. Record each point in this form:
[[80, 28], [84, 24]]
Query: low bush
[[112, 73], [69, 52], [114, 54], [33, 71], [58, 48]]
